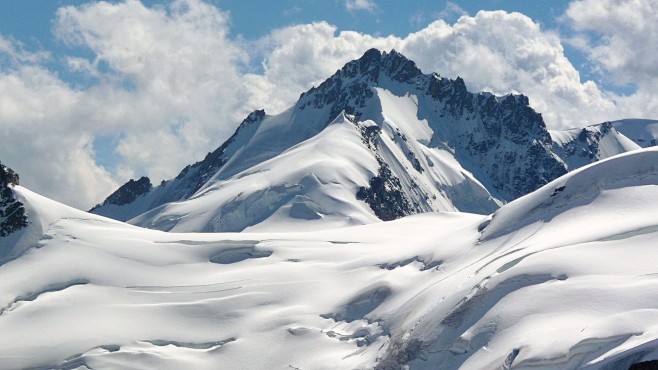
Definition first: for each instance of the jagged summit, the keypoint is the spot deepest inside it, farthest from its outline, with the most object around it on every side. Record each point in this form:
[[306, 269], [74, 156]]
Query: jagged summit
[[353, 82], [379, 139]]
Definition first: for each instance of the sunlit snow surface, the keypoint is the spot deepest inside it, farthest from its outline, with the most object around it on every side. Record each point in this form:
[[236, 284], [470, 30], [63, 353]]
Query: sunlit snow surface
[[563, 278]]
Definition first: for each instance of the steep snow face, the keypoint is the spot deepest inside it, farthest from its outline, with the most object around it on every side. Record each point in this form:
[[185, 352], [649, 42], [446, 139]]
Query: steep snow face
[[563, 278], [188, 181], [643, 132], [436, 146], [339, 177], [580, 147], [311, 185]]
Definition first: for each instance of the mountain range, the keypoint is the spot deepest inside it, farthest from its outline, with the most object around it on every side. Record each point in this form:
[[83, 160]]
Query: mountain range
[[390, 219], [377, 140]]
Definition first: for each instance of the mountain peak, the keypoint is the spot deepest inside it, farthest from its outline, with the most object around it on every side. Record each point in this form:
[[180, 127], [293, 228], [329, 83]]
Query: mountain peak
[[351, 86], [392, 64], [371, 55], [403, 123]]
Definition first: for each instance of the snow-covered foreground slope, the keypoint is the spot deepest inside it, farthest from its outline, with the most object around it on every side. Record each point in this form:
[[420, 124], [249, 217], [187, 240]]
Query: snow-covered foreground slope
[[562, 278]]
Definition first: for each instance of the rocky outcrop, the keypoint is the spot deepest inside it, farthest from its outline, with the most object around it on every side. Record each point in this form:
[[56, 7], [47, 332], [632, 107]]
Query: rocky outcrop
[[129, 191], [385, 195], [12, 212]]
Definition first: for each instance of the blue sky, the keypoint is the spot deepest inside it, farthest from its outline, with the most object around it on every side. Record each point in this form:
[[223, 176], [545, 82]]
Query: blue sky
[[94, 93], [30, 22]]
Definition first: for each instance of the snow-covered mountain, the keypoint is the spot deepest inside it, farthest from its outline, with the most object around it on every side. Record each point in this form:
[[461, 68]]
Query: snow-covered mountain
[[562, 278], [377, 140], [582, 146]]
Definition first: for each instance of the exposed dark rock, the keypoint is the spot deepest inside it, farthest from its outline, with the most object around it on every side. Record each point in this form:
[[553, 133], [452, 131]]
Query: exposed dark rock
[[12, 211], [385, 195], [369, 135], [200, 172], [400, 355], [8, 176], [129, 191], [647, 365], [507, 141], [584, 148]]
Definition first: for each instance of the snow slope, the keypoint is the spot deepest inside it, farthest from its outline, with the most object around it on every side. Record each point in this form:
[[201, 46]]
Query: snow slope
[[582, 146], [562, 278], [314, 184], [643, 132]]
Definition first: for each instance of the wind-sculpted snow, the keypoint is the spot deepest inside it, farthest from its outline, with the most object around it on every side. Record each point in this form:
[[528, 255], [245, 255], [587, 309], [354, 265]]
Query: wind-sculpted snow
[[563, 278], [576, 192]]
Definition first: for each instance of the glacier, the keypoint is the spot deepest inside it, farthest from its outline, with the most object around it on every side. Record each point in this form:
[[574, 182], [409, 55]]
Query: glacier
[[562, 278]]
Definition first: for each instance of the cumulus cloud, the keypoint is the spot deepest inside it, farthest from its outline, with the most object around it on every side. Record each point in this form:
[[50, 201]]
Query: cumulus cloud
[[168, 84], [168, 87], [43, 139], [620, 40], [626, 36]]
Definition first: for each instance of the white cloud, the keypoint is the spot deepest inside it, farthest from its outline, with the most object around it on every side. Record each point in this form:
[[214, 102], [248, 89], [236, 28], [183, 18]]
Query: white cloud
[[353, 5], [12, 52], [43, 139], [169, 85], [620, 39], [626, 33], [451, 9]]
